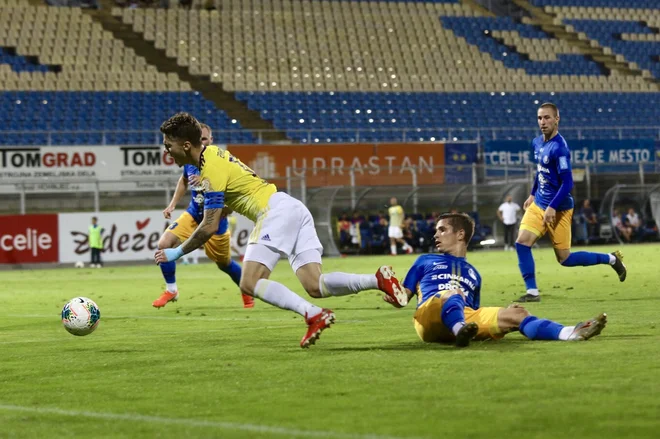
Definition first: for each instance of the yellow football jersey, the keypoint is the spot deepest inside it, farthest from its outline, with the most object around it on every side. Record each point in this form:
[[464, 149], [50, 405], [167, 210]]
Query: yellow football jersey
[[244, 191], [396, 215]]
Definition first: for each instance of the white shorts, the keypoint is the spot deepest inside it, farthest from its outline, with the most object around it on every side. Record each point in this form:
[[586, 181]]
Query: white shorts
[[395, 232], [286, 228]]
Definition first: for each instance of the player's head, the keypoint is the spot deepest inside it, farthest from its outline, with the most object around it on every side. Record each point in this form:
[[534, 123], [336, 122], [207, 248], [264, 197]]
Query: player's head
[[94, 220], [453, 233], [207, 134], [509, 199], [181, 133], [393, 201], [548, 118]]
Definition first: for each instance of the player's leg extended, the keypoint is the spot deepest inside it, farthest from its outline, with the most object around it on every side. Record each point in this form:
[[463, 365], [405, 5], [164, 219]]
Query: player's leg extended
[[257, 265], [176, 233], [531, 229], [560, 235], [518, 318], [218, 250], [307, 266]]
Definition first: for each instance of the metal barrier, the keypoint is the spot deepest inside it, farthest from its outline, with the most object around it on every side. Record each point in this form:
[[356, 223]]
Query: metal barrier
[[434, 134]]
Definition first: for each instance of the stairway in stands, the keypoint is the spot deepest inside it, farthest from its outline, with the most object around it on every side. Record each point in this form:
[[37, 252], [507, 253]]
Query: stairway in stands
[[224, 100]]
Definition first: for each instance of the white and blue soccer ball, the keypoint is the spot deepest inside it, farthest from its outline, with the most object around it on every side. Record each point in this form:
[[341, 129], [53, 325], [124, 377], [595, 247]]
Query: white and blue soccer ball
[[81, 316], [79, 264]]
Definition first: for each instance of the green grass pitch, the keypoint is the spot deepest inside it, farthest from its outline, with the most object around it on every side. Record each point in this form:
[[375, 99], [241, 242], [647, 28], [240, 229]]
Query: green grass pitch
[[205, 367]]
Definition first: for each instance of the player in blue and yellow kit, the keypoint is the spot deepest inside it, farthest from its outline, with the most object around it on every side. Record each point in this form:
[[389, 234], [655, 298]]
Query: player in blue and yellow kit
[[549, 208], [217, 248], [448, 290], [283, 226]]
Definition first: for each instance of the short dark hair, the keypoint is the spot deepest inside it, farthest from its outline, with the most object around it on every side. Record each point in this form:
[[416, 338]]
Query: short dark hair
[[550, 105], [183, 127], [460, 221], [94, 218]]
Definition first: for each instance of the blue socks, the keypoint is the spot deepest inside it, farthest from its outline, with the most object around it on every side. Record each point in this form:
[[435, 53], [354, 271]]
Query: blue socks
[[234, 271], [540, 329], [169, 270], [452, 311], [526, 265], [586, 259]]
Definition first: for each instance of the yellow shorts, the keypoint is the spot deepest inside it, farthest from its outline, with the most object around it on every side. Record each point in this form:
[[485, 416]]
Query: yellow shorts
[[430, 328], [560, 233], [217, 248]]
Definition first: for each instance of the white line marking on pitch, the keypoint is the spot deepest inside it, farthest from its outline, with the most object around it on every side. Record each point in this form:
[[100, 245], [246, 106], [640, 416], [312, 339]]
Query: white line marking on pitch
[[177, 317], [134, 417]]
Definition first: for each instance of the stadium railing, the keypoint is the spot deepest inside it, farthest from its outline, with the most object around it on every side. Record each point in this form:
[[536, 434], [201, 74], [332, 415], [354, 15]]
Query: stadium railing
[[439, 134]]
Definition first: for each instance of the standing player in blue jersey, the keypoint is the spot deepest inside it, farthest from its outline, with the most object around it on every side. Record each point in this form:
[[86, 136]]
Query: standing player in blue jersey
[[549, 208], [217, 248], [448, 291]]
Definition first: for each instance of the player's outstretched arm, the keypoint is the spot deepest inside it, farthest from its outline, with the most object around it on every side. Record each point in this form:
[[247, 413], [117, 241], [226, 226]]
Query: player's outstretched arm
[[203, 233], [179, 192]]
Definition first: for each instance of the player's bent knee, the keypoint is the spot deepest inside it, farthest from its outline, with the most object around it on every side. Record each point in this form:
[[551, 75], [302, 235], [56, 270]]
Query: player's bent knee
[[251, 273], [168, 240], [309, 277], [509, 319]]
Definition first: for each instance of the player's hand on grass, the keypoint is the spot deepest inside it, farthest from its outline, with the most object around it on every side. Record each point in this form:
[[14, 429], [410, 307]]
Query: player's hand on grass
[[167, 213], [528, 202], [549, 216], [391, 301]]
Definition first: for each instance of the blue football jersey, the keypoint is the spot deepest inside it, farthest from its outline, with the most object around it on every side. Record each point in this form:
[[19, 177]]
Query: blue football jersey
[[553, 159], [433, 274], [196, 205]]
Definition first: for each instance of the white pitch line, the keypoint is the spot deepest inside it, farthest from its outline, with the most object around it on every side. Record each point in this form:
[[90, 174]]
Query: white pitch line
[[235, 426], [184, 317]]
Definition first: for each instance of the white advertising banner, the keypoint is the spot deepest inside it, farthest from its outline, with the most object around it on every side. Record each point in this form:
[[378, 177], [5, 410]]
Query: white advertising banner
[[77, 168], [128, 236]]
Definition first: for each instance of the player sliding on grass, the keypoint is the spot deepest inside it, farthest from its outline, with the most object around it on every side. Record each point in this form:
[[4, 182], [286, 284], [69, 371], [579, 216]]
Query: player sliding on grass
[[283, 227], [217, 248], [448, 292], [549, 208]]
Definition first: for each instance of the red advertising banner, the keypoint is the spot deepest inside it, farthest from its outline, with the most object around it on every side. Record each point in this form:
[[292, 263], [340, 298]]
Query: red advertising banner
[[28, 239], [382, 164]]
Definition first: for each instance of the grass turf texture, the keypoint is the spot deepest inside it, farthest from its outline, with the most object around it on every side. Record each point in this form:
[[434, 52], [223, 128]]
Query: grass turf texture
[[205, 367]]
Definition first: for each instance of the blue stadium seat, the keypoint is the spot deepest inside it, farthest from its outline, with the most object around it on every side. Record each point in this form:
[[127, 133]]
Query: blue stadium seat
[[72, 117]]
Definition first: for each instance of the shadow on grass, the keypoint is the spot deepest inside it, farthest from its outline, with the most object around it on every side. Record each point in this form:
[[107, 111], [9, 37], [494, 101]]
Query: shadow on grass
[[500, 346]]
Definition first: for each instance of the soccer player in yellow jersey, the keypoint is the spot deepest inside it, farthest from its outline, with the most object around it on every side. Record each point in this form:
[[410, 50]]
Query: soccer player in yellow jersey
[[217, 248], [395, 230], [283, 227]]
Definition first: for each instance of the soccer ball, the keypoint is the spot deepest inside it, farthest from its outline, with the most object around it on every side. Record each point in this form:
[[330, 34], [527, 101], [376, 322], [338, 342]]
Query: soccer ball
[[80, 316], [80, 264]]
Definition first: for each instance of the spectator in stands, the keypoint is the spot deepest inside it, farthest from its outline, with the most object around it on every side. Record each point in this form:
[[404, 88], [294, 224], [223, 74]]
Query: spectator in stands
[[411, 233], [618, 224], [633, 221], [508, 214], [590, 220], [344, 231]]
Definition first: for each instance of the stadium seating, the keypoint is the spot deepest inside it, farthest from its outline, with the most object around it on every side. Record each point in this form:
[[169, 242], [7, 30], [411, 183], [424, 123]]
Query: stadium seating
[[339, 71], [381, 116], [65, 73], [627, 29]]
